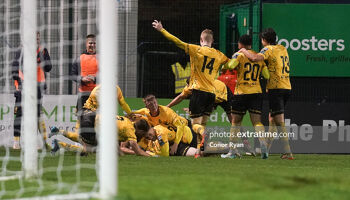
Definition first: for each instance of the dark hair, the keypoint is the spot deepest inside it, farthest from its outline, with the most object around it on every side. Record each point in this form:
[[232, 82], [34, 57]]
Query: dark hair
[[149, 97], [246, 40], [269, 35], [91, 36], [141, 128]]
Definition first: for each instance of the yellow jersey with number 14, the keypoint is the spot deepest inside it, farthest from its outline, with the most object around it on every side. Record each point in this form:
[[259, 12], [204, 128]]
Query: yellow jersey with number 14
[[205, 63], [278, 64]]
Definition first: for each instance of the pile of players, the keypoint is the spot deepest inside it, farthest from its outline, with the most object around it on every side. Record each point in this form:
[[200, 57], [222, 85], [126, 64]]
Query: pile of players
[[157, 130]]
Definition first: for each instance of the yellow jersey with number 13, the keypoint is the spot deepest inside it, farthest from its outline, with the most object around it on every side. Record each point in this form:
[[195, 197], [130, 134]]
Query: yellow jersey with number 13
[[278, 64]]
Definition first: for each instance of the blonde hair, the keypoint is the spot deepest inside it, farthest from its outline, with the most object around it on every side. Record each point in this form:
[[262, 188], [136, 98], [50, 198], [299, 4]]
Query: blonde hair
[[208, 35]]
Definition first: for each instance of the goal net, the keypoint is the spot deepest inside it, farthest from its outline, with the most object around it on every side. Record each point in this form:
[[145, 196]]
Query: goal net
[[38, 108]]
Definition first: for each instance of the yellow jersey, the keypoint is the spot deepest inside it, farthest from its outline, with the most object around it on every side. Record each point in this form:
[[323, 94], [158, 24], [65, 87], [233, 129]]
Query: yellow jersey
[[92, 102], [278, 64], [125, 128], [165, 117], [205, 63], [168, 133], [161, 145], [248, 74], [151, 147], [220, 91]]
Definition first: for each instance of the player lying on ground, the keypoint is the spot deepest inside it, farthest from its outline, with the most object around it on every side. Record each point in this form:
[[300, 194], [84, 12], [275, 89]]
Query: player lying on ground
[[205, 63], [248, 95], [278, 86], [162, 115], [88, 138], [92, 104], [159, 138], [89, 126], [223, 98]]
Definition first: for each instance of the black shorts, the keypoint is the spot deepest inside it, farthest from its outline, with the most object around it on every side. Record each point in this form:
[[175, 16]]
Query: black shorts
[[251, 102], [87, 127], [277, 100], [226, 105], [201, 103], [82, 98], [182, 148]]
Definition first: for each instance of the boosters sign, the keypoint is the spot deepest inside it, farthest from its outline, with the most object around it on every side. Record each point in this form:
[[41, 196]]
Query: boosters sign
[[316, 36]]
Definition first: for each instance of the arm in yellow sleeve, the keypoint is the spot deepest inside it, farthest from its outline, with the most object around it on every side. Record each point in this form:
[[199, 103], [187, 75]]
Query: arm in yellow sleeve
[[124, 105], [180, 126], [164, 150], [174, 39], [265, 72], [233, 63]]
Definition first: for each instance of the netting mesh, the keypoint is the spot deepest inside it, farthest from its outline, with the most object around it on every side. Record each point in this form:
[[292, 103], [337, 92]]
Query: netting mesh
[[63, 27]]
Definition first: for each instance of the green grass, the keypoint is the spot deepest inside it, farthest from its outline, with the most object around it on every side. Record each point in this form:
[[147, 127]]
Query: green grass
[[307, 177]]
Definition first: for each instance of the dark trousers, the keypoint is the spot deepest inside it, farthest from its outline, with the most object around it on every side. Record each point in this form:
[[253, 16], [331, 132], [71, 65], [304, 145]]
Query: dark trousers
[[18, 114]]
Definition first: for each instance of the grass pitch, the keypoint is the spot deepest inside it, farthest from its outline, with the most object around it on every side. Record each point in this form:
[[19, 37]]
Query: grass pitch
[[307, 177]]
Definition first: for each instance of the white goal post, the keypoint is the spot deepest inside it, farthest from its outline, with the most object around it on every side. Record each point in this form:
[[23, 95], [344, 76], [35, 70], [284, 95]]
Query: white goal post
[[108, 105], [31, 155], [30, 126]]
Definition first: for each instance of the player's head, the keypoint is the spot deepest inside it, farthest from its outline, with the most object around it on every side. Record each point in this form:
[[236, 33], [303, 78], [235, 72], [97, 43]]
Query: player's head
[[141, 128], [151, 103], [207, 37], [245, 41], [151, 134], [268, 37], [91, 43]]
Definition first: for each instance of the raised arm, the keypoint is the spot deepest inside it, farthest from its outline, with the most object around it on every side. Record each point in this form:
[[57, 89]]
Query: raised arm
[[252, 56], [122, 101], [159, 27], [125, 106]]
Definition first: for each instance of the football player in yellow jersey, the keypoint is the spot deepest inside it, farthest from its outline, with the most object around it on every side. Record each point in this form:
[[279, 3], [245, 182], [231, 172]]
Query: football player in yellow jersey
[[92, 105], [126, 131], [205, 63], [278, 86], [248, 94], [87, 118], [159, 138], [92, 102], [162, 115]]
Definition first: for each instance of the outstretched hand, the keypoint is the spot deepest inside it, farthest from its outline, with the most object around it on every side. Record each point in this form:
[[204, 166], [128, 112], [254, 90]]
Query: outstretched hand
[[157, 25]]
